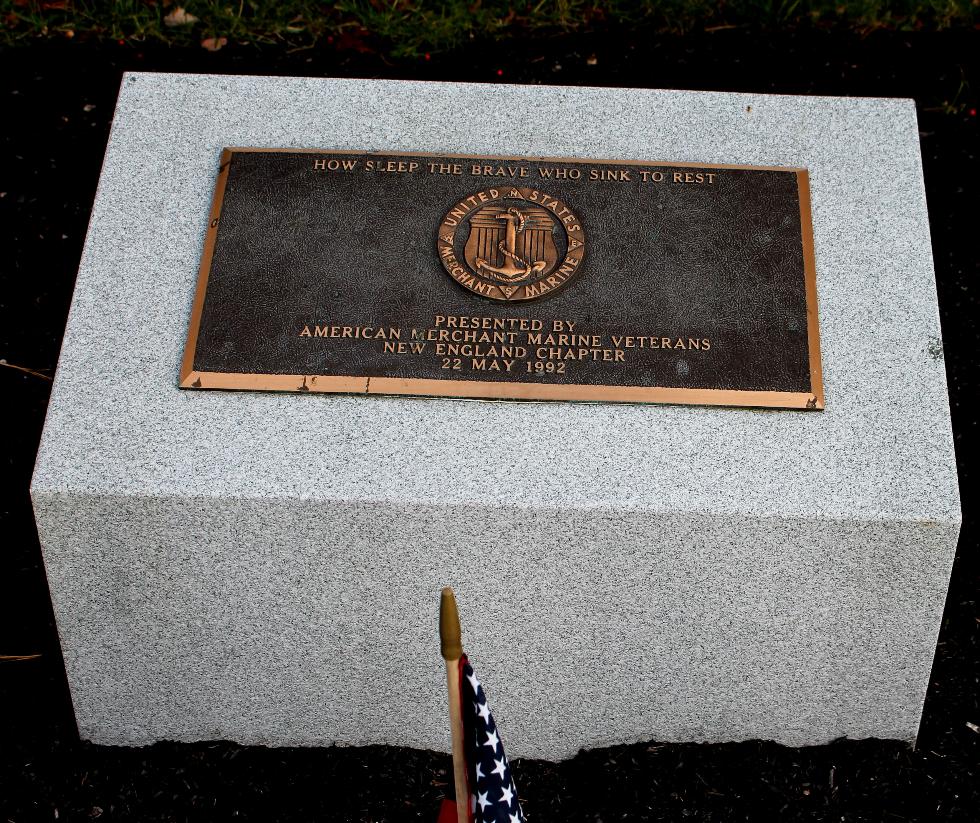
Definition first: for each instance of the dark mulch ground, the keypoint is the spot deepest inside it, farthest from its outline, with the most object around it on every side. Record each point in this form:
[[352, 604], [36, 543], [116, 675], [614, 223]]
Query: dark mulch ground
[[56, 105]]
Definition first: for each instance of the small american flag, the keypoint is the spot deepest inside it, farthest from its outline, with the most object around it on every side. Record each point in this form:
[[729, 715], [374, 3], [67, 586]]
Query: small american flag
[[493, 796]]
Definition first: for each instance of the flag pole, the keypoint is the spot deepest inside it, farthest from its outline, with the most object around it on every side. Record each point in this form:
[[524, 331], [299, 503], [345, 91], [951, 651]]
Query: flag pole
[[450, 637]]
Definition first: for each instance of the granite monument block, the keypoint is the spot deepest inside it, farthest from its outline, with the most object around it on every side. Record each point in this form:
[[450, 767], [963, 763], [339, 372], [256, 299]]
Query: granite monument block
[[263, 567]]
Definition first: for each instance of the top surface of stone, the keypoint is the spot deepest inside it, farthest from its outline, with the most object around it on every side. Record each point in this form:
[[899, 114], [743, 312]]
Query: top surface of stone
[[118, 424]]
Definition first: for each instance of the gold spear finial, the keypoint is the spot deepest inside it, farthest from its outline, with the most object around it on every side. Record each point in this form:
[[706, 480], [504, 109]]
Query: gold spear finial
[[450, 634]]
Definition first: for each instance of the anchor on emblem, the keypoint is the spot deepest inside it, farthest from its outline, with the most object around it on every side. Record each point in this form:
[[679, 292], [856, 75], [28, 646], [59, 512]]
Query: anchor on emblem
[[520, 244], [521, 252]]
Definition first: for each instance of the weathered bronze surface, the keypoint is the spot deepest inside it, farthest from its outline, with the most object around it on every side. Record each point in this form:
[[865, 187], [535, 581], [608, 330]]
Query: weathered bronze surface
[[549, 279]]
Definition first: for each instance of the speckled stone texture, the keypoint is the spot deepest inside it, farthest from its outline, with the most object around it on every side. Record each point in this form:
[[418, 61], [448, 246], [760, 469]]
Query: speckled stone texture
[[265, 568]]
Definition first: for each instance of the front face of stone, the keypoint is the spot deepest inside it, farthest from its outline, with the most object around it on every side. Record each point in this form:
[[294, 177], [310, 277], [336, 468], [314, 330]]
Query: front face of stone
[[568, 279], [212, 527], [304, 622]]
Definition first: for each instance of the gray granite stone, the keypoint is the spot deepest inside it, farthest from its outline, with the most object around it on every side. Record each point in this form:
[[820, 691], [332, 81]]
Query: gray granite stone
[[266, 568]]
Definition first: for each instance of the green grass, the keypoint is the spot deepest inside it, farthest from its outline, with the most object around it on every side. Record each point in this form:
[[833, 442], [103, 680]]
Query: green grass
[[403, 28]]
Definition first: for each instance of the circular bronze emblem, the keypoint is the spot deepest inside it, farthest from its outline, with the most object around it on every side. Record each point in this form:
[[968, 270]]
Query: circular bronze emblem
[[511, 243]]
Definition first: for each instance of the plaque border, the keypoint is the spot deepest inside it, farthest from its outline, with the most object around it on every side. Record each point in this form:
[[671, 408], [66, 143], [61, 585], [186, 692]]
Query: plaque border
[[505, 390]]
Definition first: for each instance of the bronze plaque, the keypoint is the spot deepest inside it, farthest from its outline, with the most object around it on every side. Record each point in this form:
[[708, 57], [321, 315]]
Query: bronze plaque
[[507, 277]]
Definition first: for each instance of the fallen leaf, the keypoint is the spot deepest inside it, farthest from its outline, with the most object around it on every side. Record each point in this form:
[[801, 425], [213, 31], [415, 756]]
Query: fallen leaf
[[353, 41], [179, 17], [214, 43]]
